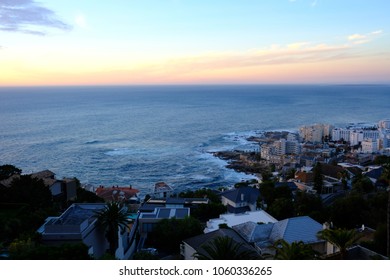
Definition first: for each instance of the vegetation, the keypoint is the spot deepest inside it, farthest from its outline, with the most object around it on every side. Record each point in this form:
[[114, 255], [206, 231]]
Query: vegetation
[[225, 248], [293, 251], [31, 250], [341, 238], [112, 218], [318, 179], [169, 233], [8, 170]]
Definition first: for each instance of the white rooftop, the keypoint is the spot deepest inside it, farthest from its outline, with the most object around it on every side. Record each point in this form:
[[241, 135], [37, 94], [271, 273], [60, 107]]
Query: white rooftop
[[259, 216]]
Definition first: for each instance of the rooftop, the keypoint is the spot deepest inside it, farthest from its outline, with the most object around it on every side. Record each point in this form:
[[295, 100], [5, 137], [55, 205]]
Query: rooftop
[[166, 213], [231, 220], [162, 187]]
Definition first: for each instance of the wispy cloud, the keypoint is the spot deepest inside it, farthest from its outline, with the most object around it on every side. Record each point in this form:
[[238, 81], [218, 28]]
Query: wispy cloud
[[295, 53], [358, 39], [377, 32], [28, 16]]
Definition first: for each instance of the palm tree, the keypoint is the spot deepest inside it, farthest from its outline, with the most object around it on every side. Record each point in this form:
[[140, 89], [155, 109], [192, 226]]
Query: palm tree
[[225, 248], [112, 218], [294, 251], [341, 238]]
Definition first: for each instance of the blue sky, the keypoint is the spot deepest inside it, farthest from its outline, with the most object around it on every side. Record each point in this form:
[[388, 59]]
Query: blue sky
[[187, 41]]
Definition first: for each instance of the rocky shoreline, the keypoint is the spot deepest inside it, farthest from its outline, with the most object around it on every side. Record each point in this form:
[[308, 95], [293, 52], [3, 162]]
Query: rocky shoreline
[[248, 163]]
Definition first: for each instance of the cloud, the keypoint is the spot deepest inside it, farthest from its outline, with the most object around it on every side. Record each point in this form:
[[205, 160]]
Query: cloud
[[377, 32], [356, 37], [359, 39], [281, 55], [28, 16]]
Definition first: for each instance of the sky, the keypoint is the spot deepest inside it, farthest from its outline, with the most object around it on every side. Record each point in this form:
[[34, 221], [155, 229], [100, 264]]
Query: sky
[[126, 42]]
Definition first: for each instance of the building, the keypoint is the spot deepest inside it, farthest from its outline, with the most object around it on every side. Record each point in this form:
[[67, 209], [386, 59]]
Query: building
[[259, 216], [118, 194], [369, 146], [147, 221], [173, 202], [193, 245], [339, 134], [384, 124], [291, 230], [315, 133], [79, 224], [162, 190], [240, 200], [62, 190]]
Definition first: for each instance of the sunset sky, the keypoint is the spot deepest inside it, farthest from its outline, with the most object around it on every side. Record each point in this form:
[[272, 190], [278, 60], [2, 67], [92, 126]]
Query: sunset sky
[[90, 42]]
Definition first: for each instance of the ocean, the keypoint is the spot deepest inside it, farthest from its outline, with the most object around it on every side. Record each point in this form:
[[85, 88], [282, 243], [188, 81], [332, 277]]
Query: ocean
[[140, 135]]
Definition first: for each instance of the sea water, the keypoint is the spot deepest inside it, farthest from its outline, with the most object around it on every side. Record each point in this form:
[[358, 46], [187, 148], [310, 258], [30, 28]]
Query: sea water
[[140, 135]]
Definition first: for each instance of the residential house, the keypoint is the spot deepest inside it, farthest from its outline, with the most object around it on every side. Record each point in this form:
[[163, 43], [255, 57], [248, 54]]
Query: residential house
[[193, 245], [126, 195], [162, 190], [61, 190], [240, 200], [172, 202], [295, 229], [147, 221], [374, 174], [79, 224], [259, 216]]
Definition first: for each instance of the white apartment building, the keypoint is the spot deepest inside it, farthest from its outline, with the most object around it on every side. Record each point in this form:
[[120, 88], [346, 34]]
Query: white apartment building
[[384, 124], [341, 133], [279, 148], [369, 146], [356, 137], [315, 133]]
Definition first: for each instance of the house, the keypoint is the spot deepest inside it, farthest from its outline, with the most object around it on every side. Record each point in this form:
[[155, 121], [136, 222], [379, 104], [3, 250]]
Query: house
[[61, 190], [193, 245], [162, 190], [79, 224], [291, 185], [306, 178], [374, 174], [147, 221], [259, 216], [6, 183], [127, 195], [172, 202], [240, 200], [291, 230], [358, 252]]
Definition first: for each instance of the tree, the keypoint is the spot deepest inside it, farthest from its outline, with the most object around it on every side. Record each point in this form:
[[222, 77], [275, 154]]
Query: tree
[[294, 251], [112, 218], [307, 204], [318, 180], [7, 170], [362, 184], [344, 177], [31, 191], [168, 234], [267, 192], [341, 238], [386, 176], [225, 248], [282, 208], [205, 212]]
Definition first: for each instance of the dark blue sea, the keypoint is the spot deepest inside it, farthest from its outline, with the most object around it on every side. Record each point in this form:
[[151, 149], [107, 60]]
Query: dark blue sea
[[139, 135]]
